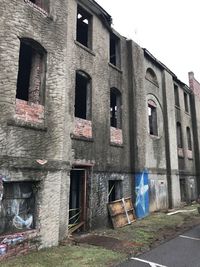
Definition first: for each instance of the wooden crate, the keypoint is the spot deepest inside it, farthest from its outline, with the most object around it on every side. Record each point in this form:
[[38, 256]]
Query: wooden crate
[[121, 212]]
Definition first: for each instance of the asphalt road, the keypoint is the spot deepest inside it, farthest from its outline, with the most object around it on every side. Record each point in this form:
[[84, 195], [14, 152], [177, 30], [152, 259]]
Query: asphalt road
[[182, 251]]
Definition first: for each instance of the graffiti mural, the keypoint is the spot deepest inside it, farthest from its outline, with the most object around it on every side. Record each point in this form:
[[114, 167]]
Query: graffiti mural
[[142, 194], [17, 206]]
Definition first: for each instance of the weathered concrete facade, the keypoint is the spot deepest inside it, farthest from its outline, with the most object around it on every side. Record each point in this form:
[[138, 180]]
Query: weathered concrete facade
[[83, 110]]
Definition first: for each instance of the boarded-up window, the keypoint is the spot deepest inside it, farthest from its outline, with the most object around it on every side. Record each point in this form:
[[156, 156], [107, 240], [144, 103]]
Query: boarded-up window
[[151, 76]]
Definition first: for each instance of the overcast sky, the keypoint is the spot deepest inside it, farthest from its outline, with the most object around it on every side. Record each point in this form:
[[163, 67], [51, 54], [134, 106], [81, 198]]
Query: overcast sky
[[169, 29]]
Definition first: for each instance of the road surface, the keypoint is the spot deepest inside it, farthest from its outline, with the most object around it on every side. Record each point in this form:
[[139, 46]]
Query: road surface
[[182, 251]]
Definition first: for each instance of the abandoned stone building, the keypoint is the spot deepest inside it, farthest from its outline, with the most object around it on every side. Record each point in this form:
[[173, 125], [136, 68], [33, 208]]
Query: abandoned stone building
[[83, 111]]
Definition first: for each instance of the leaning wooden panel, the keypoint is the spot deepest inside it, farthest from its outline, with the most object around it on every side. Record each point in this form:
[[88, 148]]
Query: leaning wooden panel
[[116, 207], [121, 212]]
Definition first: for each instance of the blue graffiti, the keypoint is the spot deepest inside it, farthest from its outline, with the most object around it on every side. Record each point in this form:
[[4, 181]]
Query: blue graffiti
[[142, 194]]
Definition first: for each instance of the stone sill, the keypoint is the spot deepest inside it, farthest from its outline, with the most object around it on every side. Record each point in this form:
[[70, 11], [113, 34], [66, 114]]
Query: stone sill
[[154, 137], [116, 144], [36, 7], [85, 48], [32, 232], [177, 107], [154, 83], [26, 124], [187, 113], [115, 67], [82, 138]]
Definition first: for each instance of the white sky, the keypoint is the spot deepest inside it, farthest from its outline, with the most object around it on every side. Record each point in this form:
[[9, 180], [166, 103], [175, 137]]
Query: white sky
[[169, 29]]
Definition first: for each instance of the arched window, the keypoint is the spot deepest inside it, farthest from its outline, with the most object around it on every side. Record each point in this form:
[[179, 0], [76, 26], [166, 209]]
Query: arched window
[[152, 113], [83, 95], [115, 108], [151, 76], [31, 72], [179, 135], [189, 138]]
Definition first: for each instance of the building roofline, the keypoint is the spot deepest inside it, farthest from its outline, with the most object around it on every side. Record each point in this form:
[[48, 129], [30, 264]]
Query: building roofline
[[99, 11], [164, 67]]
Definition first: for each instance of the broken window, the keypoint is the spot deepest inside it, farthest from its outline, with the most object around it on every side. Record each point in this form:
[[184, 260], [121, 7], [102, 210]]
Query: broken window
[[189, 138], [83, 96], [84, 27], [186, 102], [152, 112], [31, 72], [115, 108], [114, 50], [176, 96], [114, 190], [17, 207], [179, 135]]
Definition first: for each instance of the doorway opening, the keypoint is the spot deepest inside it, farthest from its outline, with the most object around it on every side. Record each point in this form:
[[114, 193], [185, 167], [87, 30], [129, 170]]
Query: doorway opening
[[77, 200]]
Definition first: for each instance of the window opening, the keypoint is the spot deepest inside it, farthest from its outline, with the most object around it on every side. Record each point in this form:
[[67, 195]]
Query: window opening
[[153, 127], [41, 3], [115, 108], [151, 76], [83, 29], [30, 79], [189, 138], [77, 203], [179, 135], [176, 96], [114, 50], [17, 207], [183, 190], [186, 102], [114, 190], [82, 96]]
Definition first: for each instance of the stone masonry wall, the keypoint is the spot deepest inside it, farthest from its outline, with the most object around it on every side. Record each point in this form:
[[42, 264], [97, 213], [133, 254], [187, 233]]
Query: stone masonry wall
[[35, 139]]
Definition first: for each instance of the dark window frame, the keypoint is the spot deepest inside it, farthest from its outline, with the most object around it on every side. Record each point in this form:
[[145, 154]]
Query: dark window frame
[[179, 135], [115, 53], [31, 72], [84, 27], [186, 104], [44, 4], [176, 96], [189, 138], [115, 190], [152, 115], [83, 95], [115, 108]]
